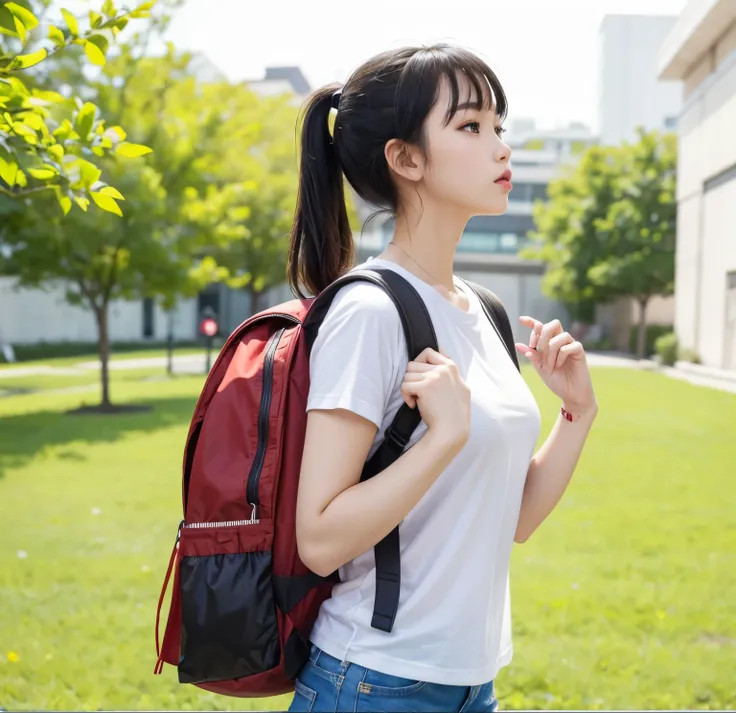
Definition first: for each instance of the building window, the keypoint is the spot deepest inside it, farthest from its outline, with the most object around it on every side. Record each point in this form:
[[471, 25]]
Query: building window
[[148, 318], [670, 123], [539, 192]]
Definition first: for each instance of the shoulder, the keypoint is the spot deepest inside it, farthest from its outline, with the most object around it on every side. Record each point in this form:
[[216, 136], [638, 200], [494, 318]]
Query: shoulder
[[365, 302]]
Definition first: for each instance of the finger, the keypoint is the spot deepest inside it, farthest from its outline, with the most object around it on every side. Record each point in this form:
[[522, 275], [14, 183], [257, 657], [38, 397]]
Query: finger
[[430, 356], [531, 354], [536, 326], [555, 344], [409, 397], [569, 350], [549, 330], [417, 367], [413, 378]]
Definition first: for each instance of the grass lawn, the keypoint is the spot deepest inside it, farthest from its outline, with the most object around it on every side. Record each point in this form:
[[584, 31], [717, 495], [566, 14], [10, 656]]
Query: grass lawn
[[624, 598]]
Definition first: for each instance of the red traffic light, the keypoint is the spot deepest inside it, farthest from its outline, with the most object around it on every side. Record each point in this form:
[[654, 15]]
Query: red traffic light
[[208, 327]]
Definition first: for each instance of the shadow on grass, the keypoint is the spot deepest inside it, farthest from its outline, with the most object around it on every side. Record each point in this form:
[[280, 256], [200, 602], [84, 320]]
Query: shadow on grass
[[24, 436]]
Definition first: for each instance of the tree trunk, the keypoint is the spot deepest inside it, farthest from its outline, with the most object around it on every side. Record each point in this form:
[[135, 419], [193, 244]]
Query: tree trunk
[[255, 301], [641, 341], [103, 343], [170, 343]]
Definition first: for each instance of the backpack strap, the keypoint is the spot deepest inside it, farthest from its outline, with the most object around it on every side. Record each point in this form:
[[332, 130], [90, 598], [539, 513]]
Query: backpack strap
[[420, 335], [498, 317]]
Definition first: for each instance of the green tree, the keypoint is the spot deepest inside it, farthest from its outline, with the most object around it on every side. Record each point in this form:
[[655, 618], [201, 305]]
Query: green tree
[[47, 142], [213, 202], [608, 230]]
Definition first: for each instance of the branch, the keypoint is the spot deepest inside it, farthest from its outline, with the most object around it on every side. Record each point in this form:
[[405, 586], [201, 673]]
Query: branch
[[21, 194]]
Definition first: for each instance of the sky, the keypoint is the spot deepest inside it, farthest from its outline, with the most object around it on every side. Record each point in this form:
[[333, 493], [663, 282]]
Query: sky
[[544, 51]]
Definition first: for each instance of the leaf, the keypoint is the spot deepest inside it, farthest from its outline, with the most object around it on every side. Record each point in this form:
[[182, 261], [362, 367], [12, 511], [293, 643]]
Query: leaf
[[116, 134], [56, 151], [132, 150], [112, 192], [106, 203], [85, 119], [56, 36], [71, 22], [7, 22], [94, 54], [89, 173], [83, 203], [8, 171], [108, 8], [101, 41], [64, 131], [20, 28], [48, 96], [29, 20], [42, 174], [24, 61], [120, 24], [66, 204], [95, 19]]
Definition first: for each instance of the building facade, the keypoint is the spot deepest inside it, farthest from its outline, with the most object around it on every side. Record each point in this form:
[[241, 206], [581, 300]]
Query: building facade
[[630, 93], [701, 52]]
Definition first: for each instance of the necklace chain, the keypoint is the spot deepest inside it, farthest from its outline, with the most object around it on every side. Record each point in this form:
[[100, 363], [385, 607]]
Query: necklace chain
[[415, 262]]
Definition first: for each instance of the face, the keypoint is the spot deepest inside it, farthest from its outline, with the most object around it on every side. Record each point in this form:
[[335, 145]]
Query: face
[[465, 159]]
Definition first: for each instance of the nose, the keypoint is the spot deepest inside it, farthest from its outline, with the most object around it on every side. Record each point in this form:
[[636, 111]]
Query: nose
[[503, 152]]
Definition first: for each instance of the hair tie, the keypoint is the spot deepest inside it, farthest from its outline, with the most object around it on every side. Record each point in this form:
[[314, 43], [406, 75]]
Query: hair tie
[[332, 116]]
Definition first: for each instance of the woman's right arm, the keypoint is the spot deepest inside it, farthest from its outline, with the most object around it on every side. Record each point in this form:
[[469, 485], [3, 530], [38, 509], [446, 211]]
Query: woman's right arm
[[338, 517]]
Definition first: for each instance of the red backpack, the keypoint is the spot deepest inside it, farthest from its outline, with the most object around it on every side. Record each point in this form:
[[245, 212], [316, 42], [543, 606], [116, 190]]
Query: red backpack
[[243, 603]]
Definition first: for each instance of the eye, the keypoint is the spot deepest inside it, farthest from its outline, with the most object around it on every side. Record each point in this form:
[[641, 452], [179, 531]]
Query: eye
[[500, 130], [474, 126]]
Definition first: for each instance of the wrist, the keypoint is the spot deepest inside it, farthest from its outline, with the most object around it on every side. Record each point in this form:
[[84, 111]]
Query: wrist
[[446, 443], [578, 412]]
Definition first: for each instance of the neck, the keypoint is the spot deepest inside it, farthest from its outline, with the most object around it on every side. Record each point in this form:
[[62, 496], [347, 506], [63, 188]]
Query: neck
[[430, 237]]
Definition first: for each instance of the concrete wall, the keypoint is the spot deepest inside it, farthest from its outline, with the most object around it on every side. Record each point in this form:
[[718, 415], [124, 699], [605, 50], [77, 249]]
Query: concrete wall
[[31, 315], [706, 237]]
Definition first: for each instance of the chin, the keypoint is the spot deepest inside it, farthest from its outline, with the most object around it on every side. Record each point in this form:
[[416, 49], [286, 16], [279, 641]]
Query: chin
[[497, 208]]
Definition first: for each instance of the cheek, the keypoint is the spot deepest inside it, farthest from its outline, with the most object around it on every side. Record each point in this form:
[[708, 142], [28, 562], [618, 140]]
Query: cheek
[[459, 162]]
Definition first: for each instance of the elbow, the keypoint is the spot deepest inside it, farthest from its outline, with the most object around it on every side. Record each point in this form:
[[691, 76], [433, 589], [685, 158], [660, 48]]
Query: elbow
[[315, 556], [521, 535]]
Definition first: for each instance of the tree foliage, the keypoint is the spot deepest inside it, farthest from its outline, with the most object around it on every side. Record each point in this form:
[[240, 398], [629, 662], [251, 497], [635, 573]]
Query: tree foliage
[[608, 230], [49, 142], [213, 202]]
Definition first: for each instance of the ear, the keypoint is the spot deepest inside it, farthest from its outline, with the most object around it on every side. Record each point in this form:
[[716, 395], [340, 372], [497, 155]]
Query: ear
[[404, 159]]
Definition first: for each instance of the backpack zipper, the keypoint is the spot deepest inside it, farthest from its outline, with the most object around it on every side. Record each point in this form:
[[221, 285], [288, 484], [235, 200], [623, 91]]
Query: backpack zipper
[[251, 488]]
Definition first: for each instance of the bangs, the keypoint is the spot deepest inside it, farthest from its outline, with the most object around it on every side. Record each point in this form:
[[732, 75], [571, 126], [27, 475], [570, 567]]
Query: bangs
[[471, 81]]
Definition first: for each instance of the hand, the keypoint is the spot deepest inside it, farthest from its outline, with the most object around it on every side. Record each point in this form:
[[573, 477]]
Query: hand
[[561, 363], [433, 383]]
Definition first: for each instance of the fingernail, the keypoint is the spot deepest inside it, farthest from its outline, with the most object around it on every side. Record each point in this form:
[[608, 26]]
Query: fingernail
[[528, 355]]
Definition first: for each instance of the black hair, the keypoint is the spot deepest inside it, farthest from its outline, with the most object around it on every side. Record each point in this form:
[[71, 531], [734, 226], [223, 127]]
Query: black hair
[[389, 96]]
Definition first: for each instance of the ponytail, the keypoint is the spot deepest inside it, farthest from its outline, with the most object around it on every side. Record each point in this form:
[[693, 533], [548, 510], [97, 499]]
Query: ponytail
[[321, 248]]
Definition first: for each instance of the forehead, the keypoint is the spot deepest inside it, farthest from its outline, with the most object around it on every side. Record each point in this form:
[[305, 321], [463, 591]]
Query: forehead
[[460, 92]]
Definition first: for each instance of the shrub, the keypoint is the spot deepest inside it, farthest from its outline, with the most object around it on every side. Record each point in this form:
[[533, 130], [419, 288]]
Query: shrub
[[654, 331], [666, 348]]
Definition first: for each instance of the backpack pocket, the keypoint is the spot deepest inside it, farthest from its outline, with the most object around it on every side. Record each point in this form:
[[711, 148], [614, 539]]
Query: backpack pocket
[[229, 625]]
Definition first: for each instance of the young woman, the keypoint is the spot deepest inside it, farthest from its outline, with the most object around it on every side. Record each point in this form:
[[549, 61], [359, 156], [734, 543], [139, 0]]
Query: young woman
[[418, 131]]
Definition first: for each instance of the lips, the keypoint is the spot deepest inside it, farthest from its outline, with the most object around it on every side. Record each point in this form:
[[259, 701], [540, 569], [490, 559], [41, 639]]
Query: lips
[[505, 176]]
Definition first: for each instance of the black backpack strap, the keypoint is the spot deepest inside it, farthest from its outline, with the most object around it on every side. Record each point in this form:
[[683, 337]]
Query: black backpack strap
[[498, 317], [420, 335]]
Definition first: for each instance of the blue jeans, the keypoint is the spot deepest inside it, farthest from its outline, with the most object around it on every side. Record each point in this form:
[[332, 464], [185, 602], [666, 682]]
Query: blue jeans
[[326, 684]]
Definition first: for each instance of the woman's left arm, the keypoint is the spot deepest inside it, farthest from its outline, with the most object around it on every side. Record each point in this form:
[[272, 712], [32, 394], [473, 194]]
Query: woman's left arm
[[561, 363]]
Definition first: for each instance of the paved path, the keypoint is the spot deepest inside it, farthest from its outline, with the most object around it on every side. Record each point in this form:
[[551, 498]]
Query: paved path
[[195, 363]]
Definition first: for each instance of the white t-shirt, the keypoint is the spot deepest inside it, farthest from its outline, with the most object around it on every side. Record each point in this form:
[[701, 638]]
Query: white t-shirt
[[453, 624]]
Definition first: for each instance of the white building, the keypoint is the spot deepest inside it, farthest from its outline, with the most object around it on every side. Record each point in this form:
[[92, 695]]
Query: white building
[[630, 94], [701, 51]]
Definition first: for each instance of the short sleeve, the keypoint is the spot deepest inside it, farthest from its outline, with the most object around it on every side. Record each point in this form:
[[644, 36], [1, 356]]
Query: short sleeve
[[359, 356]]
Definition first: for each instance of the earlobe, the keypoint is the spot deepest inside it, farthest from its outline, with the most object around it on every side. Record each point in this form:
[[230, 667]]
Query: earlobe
[[403, 160]]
